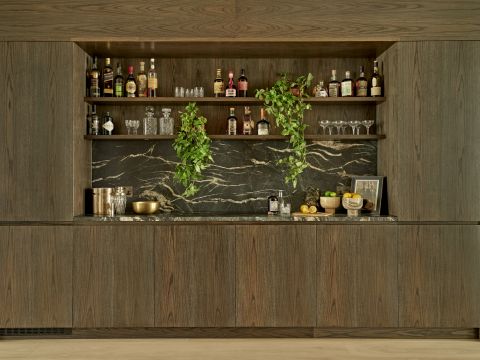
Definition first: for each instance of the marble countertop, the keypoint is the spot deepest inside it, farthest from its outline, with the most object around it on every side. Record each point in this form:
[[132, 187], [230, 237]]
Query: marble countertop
[[230, 218]]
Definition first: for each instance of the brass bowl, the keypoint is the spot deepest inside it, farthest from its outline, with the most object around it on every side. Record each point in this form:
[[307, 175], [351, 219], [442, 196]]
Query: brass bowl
[[145, 207]]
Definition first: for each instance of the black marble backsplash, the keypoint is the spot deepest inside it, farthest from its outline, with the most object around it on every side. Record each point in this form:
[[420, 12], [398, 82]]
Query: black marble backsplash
[[243, 175]]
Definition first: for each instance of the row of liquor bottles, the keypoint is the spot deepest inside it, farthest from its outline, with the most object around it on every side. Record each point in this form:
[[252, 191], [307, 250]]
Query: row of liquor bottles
[[145, 84]]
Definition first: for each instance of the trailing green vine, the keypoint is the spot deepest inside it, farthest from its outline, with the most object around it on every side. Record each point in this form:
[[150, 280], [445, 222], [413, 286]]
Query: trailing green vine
[[192, 146], [288, 111]]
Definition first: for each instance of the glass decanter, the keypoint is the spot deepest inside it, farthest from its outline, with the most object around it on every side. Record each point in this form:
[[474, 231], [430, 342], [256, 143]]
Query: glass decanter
[[166, 122], [149, 121]]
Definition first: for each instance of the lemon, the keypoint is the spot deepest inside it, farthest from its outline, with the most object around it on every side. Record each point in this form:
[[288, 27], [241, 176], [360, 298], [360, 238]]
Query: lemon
[[304, 209], [312, 209], [356, 196], [347, 195]]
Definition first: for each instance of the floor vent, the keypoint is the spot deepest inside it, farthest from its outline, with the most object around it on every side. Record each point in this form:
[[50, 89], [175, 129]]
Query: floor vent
[[35, 332]]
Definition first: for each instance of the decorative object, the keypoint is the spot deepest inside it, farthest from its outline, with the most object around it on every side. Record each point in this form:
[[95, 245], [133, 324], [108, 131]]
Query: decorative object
[[371, 189], [288, 110], [330, 203], [192, 146], [353, 206]]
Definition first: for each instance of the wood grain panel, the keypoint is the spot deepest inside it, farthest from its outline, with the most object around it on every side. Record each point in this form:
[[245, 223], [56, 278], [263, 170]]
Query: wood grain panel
[[36, 141], [357, 276], [59, 20], [113, 276], [35, 286], [195, 276], [437, 137], [438, 276], [275, 280]]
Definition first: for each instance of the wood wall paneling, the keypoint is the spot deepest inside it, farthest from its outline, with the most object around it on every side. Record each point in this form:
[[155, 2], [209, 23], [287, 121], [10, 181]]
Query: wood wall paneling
[[36, 147], [113, 276], [357, 276], [195, 276], [35, 286], [58, 20], [275, 276], [438, 276]]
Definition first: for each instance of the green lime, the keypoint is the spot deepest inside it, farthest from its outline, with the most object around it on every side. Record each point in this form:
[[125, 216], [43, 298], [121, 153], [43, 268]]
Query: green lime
[[333, 194], [327, 193]]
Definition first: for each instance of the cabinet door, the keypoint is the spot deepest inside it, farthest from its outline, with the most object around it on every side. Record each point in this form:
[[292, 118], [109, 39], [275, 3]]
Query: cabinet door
[[36, 171], [439, 272], [357, 276], [275, 267], [113, 276], [195, 276], [36, 276]]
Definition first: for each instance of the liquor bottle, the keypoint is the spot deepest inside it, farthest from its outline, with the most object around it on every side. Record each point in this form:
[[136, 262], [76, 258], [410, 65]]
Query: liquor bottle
[[130, 85], [362, 84], [242, 84], [107, 76], [232, 122], [119, 82], [334, 85], [348, 86], [376, 89], [272, 205], [142, 81], [231, 90], [263, 126], [321, 90], [218, 86], [87, 80], [107, 124], [94, 80], [95, 129], [89, 121], [248, 123], [152, 80]]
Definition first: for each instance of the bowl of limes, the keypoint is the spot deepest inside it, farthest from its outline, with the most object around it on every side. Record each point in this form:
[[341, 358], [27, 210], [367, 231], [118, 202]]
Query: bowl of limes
[[353, 202], [330, 201]]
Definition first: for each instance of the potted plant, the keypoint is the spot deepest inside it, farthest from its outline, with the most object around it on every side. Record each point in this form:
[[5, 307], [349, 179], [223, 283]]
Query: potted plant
[[192, 146], [288, 110]]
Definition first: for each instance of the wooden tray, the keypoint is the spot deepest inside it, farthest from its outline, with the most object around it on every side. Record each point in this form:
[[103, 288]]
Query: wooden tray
[[318, 214]]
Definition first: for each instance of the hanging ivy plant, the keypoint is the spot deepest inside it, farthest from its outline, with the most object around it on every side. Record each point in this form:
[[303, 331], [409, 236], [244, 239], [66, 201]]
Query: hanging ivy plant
[[192, 146], [288, 110]]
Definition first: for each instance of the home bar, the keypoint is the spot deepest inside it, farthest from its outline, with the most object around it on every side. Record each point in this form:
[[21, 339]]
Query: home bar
[[240, 170]]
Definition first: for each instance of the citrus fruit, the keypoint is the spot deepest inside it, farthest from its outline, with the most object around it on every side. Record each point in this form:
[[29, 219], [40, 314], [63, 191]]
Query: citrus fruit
[[304, 209], [327, 193], [356, 196], [332, 194], [312, 209], [347, 195]]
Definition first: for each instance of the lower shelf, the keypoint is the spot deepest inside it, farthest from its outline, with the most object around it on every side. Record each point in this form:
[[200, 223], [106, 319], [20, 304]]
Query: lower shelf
[[236, 137]]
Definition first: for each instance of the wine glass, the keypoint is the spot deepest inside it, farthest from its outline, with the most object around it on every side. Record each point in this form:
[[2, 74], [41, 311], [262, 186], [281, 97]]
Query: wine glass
[[324, 124], [343, 126], [338, 125], [135, 126], [352, 125], [368, 124]]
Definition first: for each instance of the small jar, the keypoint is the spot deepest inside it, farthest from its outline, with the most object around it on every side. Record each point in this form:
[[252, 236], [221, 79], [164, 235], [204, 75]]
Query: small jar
[[119, 200], [149, 122]]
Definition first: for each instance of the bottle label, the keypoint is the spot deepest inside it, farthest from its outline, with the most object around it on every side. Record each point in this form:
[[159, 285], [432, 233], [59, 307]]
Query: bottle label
[[230, 93], [247, 130], [119, 90], [94, 88], [108, 126], [152, 83], [347, 88], [95, 124], [273, 206], [362, 87], [131, 87], [376, 91], [262, 129], [218, 88], [232, 127], [374, 82], [142, 85], [243, 85], [333, 90]]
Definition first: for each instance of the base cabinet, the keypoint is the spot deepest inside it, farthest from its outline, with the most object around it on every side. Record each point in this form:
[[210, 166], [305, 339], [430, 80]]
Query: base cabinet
[[36, 276], [439, 282], [113, 276]]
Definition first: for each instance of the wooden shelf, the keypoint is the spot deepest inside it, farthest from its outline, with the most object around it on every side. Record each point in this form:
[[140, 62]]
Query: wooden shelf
[[222, 101], [236, 137]]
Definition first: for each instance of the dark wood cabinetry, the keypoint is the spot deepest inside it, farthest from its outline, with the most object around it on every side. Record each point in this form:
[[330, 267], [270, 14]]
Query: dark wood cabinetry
[[195, 276], [113, 276], [275, 267], [36, 276], [438, 276], [357, 276]]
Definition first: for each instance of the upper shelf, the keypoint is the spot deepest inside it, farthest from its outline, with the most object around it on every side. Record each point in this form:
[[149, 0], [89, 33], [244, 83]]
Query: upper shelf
[[237, 137], [223, 100], [234, 48]]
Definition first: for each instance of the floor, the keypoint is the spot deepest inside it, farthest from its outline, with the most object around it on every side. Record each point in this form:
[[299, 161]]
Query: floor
[[233, 349]]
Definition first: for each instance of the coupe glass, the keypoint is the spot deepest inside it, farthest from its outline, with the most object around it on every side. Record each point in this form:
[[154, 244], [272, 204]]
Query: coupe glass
[[330, 127], [323, 124], [343, 126], [338, 125], [368, 124], [356, 126]]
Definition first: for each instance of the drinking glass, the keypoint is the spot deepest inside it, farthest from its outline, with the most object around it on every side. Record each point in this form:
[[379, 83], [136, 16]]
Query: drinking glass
[[187, 93], [177, 91], [352, 125], [201, 91], [196, 91], [323, 124], [338, 125], [343, 126], [330, 127], [368, 124], [356, 127], [135, 126]]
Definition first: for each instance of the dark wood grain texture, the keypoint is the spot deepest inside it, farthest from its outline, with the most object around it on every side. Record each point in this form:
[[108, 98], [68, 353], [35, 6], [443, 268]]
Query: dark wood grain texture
[[235, 137], [357, 276], [195, 276], [35, 286], [396, 333], [434, 166], [59, 20], [275, 281], [113, 274], [438, 276], [36, 146]]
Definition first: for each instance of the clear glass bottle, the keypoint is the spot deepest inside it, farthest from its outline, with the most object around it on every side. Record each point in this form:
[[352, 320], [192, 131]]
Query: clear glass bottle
[[232, 123], [248, 123], [152, 80], [95, 129], [150, 123], [166, 122], [321, 90], [119, 200], [263, 126], [273, 205], [142, 81]]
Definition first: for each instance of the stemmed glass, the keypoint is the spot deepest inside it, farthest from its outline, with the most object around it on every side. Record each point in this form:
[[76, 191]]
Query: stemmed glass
[[324, 124], [343, 126], [330, 126], [338, 125], [135, 125], [128, 124], [368, 124], [355, 124]]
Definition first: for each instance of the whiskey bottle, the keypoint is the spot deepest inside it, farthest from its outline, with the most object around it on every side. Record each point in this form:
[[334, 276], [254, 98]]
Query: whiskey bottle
[[107, 76], [362, 84], [232, 122], [94, 80], [119, 82], [320, 90], [107, 124], [263, 126], [142, 81], [248, 123], [348, 86], [334, 85], [272, 205], [231, 90], [152, 80], [218, 86], [130, 85], [95, 129], [376, 89], [242, 84]]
